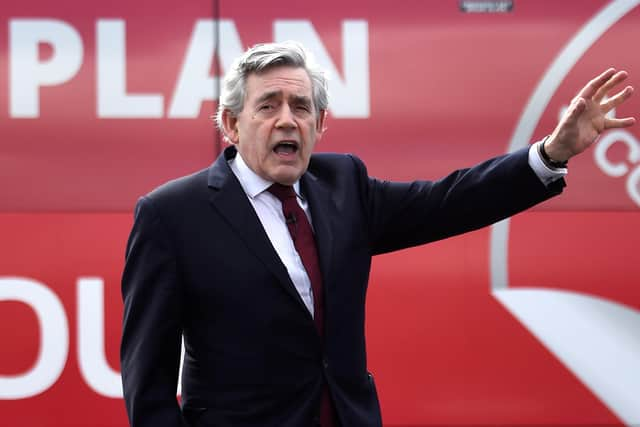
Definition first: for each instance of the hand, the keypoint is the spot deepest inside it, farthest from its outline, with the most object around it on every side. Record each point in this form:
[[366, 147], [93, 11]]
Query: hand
[[586, 118]]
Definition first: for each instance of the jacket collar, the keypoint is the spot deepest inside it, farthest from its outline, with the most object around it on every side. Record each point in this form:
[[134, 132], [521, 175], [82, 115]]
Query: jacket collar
[[230, 200]]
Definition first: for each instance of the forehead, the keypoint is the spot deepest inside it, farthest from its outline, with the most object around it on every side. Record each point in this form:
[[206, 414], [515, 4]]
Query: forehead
[[283, 80]]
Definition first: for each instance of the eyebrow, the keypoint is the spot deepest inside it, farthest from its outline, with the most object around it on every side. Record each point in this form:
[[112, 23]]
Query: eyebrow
[[301, 99], [268, 95]]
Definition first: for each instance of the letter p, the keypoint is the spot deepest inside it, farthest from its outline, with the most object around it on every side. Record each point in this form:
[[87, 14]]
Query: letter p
[[27, 73]]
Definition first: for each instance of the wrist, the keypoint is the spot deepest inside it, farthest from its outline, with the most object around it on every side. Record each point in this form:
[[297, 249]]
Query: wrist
[[548, 161]]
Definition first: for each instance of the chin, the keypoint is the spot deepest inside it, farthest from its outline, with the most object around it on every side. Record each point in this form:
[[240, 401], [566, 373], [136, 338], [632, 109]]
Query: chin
[[288, 176], [286, 179]]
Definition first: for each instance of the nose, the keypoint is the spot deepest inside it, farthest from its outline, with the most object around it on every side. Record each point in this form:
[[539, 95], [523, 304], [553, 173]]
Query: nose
[[286, 119]]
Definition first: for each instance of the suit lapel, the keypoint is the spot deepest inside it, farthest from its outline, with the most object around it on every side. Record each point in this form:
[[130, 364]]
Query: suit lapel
[[322, 210], [230, 201]]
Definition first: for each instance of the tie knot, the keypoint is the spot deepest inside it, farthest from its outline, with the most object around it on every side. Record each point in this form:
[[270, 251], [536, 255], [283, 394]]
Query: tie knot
[[282, 192]]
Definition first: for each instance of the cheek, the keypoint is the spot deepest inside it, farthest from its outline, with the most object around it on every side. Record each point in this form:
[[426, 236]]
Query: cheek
[[312, 140], [259, 141], [309, 135]]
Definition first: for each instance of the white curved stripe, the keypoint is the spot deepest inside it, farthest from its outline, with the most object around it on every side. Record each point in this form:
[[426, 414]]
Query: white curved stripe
[[598, 340], [563, 63], [499, 245], [537, 104]]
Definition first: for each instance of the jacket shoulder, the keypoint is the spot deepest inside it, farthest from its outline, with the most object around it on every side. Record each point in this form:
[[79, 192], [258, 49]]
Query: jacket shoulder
[[331, 166], [179, 187]]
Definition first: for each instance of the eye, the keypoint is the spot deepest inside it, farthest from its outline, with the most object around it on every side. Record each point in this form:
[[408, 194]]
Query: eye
[[266, 107]]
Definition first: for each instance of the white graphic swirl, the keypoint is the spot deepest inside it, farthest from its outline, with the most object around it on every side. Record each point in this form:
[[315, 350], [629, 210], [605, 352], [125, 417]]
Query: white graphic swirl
[[596, 339], [620, 169]]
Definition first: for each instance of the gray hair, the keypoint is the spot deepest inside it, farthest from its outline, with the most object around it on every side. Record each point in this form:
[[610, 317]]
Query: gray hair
[[261, 58]]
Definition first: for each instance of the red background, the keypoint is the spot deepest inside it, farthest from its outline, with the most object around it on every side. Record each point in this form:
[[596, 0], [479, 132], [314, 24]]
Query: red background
[[447, 90]]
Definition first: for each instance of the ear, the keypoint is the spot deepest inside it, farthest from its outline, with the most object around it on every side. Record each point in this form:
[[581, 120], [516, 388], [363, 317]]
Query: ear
[[230, 126], [321, 123]]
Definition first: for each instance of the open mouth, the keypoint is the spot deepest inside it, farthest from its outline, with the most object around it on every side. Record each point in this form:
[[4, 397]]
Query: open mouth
[[286, 148]]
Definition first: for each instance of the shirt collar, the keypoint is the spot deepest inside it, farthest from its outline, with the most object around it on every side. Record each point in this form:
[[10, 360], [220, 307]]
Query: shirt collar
[[252, 183]]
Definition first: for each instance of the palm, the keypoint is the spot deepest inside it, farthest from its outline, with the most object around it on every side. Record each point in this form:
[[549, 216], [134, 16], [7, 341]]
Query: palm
[[586, 117]]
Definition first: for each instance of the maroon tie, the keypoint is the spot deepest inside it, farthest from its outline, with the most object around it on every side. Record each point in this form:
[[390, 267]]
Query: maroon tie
[[305, 244]]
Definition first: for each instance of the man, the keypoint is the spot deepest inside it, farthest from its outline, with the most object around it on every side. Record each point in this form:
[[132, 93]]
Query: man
[[261, 261]]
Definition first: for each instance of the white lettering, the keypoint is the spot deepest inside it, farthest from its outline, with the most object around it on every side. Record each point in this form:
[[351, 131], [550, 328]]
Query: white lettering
[[91, 354], [113, 100], [27, 73], [620, 169], [600, 152], [195, 85], [54, 338], [633, 185], [54, 341], [349, 96]]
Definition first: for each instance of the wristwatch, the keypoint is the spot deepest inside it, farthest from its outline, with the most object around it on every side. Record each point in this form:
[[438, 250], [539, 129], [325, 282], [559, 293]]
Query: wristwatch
[[553, 164]]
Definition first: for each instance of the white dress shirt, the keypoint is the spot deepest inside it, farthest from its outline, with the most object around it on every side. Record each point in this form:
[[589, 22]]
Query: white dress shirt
[[269, 211], [546, 175]]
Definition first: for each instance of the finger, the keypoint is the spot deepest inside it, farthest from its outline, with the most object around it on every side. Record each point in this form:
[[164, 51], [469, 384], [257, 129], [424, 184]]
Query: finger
[[590, 89], [617, 99], [619, 123], [617, 78]]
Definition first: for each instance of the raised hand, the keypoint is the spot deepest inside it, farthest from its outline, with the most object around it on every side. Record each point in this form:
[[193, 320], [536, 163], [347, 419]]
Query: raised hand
[[586, 116]]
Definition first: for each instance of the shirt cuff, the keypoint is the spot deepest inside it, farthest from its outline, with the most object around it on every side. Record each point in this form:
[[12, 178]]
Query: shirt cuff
[[546, 174]]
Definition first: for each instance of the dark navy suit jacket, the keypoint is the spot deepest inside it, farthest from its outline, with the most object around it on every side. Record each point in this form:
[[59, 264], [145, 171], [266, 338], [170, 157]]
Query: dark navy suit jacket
[[200, 265]]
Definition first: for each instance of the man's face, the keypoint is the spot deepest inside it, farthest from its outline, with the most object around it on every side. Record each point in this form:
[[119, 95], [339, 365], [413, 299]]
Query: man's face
[[278, 126]]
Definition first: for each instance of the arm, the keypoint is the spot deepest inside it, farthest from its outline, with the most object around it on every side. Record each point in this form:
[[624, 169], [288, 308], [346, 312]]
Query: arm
[[408, 214], [150, 348]]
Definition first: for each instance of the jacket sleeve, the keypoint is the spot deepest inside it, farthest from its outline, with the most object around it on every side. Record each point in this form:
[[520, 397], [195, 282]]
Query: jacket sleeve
[[151, 336], [405, 214]]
